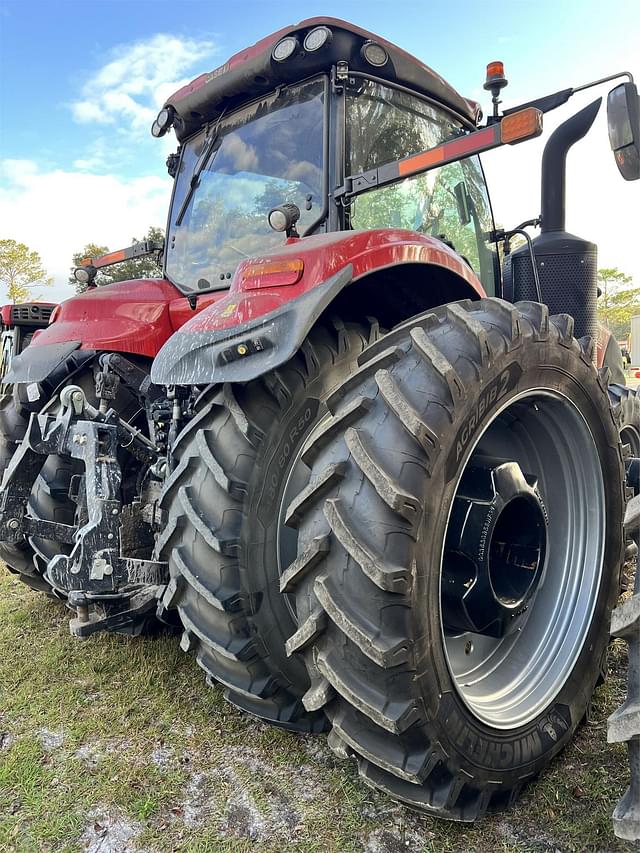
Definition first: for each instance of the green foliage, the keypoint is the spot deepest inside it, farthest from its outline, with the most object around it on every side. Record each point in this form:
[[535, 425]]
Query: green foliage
[[148, 266], [21, 269], [618, 302]]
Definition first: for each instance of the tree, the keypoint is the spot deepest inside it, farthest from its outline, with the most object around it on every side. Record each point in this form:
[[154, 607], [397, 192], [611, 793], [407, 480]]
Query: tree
[[147, 266], [21, 269], [618, 302]]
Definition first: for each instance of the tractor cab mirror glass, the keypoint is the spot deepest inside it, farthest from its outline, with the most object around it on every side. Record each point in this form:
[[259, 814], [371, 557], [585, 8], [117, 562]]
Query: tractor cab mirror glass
[[623, 120]]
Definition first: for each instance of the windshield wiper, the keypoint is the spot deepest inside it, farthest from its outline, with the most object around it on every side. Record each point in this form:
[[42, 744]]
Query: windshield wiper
[[203, 159]]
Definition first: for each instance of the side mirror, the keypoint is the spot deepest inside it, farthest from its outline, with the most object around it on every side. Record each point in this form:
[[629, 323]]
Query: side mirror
[[623, 120], [462, 200]]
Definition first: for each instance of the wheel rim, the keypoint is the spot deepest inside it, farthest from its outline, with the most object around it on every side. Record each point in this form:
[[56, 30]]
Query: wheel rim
[[538, 580], [296, 479], [630, 435]]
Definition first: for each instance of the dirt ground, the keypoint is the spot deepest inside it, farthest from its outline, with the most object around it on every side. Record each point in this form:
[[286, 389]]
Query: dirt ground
[[115, 745]]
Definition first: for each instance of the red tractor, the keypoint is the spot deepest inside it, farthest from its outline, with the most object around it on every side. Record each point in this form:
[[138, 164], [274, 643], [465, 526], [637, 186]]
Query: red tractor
[[379, 480], [17, 326]]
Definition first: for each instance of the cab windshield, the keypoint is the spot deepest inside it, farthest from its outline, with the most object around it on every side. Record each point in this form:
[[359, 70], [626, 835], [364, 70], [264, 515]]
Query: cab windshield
[[262, 155], [451, 202]]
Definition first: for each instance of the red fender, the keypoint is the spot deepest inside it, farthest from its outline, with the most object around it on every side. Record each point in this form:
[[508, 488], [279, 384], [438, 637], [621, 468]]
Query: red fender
[[275, 300], [139, 316], [253, 295]]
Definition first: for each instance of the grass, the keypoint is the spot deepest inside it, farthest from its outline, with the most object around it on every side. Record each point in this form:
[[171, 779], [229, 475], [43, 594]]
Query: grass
[[116, 744]]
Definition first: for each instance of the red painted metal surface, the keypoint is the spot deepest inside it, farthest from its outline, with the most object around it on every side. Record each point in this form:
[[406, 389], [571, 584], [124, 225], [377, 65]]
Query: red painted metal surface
[[323, 256], [268, 42], [138, 317], [181, 312], [8, 312], [135, 317]]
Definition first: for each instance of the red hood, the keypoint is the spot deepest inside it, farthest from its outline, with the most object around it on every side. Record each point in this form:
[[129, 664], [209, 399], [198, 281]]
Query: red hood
[[128, 316]]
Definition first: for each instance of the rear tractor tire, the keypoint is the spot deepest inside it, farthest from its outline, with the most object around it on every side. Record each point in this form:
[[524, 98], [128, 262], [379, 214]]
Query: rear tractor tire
[[53, 482], [238, 464], [453, 587], [626, 409]]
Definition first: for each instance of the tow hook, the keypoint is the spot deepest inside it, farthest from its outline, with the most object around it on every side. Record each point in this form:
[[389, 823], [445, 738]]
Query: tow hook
[[111, 613]]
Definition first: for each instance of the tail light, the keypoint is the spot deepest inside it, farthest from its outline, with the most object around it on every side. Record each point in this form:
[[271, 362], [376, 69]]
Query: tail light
[[271, 274]]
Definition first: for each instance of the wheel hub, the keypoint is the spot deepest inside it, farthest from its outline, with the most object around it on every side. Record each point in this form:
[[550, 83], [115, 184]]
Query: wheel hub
[[495, 549]]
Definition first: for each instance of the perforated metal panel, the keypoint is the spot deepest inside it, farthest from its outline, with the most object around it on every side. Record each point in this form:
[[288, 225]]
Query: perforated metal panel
[[568, 284]]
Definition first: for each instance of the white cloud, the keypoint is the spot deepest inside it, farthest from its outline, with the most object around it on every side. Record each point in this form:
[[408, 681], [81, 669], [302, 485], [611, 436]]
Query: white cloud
[[58, 212], [134, 83], [96, 156]]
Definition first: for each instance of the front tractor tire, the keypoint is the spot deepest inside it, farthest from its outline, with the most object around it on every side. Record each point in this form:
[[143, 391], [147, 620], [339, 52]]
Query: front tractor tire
[[454, 584], [238, 464]]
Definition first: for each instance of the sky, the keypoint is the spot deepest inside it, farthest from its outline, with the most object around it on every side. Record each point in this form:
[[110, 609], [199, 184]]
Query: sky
[[80, 83]]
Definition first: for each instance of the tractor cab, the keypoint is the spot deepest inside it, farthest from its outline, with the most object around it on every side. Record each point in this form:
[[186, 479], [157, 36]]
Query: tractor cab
[[338, 102]]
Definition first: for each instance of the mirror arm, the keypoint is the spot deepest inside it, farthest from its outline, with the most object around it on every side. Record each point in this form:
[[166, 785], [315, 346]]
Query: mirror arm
[[549, 102], [605, 80]]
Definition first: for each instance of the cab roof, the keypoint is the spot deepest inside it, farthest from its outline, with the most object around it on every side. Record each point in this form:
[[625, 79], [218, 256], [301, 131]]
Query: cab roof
[[253, 72]]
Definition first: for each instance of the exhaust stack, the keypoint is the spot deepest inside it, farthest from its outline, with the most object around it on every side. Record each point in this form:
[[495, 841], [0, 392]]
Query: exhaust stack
[[567, 265], [554, 160]]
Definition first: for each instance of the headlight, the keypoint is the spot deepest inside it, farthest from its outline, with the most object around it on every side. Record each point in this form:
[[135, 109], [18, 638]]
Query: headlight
[[85, 274], [163, 121], [284, 217]]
